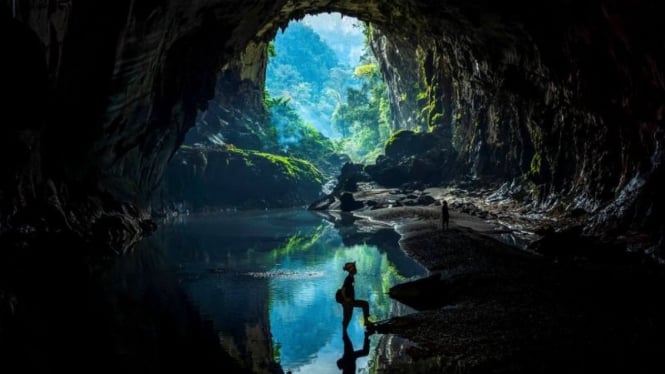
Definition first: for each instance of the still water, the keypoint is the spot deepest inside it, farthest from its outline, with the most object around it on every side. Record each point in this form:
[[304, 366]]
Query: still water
[[267, 280]]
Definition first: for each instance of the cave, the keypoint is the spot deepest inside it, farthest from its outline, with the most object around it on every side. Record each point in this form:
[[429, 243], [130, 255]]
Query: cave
[[558, 105]]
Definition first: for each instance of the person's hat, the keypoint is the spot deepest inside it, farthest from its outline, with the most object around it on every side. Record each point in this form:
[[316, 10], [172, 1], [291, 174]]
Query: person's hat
[[349, 265]]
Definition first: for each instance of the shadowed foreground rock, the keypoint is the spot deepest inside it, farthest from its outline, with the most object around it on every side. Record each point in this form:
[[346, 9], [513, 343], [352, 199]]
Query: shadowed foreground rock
[[491, 308]]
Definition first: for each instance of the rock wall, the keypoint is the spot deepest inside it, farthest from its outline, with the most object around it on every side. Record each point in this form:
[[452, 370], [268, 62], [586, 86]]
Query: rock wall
[[566, 99], [566, 96], [399, 67]]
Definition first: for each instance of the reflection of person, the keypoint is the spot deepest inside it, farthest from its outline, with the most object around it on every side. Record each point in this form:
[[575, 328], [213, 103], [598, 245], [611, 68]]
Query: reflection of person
[[445, 216], [347, 363], [349, 295]]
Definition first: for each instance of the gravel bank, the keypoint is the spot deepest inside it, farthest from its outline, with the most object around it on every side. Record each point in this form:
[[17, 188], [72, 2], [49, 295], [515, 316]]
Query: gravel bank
[[492, 307]]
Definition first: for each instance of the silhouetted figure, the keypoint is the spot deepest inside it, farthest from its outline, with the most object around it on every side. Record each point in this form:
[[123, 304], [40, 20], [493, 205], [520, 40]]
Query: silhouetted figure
[[347, 363], [445, 216], [349, 295]]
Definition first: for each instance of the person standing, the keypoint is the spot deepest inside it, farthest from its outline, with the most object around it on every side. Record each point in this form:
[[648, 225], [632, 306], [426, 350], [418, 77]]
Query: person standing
[[349, 297], [445, 216]]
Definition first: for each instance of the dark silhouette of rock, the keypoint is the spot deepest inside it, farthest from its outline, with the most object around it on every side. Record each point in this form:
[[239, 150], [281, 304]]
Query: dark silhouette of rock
[[349, 177], [348, 202], [323, 203], [412, 160]]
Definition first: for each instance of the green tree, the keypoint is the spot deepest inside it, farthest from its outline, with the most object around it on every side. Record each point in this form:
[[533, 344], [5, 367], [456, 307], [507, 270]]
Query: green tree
[[301, 49], [337, 100], [364, 119], [303, 67]]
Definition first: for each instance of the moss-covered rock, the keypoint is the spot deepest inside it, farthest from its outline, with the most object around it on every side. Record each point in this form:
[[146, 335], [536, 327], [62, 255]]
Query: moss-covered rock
[[408, 143], [227, 177], [413, 158]]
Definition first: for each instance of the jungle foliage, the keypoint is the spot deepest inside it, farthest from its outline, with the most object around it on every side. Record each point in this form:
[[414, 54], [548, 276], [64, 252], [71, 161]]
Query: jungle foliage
[[320, 106]]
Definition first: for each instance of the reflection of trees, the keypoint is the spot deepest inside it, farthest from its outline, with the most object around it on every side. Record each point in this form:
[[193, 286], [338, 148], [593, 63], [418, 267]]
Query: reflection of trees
[[303, 314], [300, 242], [377, 273], [235, 244], [300, 311], [385, 241]]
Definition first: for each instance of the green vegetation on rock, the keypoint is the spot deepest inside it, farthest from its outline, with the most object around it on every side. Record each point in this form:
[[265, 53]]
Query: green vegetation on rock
[[364, 119], [536, 164], [396, 135], [299, 139], [227, 176], [294, 168]]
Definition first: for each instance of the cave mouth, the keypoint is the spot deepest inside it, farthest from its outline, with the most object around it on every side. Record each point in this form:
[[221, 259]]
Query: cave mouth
[[315, 101]]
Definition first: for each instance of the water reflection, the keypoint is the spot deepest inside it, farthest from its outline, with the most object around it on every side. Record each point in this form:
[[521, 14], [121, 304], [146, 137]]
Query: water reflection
[[347, 363], [267, 281]]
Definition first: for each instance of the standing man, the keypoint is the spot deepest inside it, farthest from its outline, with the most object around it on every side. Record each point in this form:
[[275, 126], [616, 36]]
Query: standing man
[[445, 216], [349, 295]]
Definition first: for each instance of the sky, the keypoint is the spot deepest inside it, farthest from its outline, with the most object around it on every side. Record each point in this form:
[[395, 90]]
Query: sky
[[343, 34]]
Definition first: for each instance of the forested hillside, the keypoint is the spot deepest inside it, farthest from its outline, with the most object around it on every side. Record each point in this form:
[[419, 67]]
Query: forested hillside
[[346, 103]]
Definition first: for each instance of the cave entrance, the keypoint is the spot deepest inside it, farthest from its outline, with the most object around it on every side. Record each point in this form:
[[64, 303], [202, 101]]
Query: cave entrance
[[324, 90], [288, 112]]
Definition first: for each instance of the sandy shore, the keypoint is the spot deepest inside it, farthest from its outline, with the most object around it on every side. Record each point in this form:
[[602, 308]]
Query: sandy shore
[[491, 306]]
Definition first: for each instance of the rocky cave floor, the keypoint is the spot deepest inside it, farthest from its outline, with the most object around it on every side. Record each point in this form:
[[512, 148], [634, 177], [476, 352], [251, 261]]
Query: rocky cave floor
[[503, 296]]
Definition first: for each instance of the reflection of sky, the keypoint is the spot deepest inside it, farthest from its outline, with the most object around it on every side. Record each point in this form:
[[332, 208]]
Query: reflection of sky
[[274, 254]]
